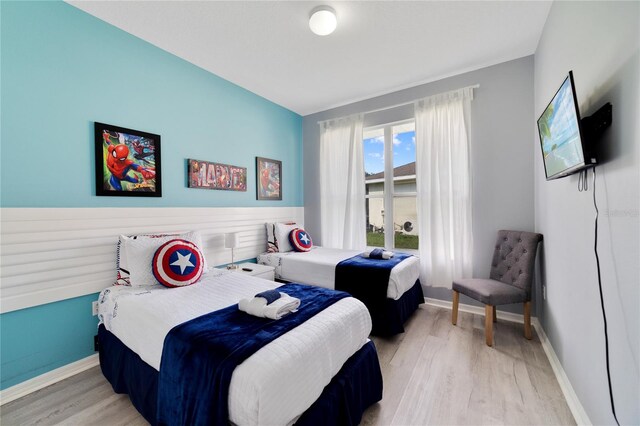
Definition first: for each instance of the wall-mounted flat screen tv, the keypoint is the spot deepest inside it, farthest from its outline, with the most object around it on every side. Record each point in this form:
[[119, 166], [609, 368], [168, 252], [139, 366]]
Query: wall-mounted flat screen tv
[[563, 147]]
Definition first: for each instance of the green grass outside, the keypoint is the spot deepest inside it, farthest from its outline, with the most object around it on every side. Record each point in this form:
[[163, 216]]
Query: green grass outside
[[402, 241], [375, 239]]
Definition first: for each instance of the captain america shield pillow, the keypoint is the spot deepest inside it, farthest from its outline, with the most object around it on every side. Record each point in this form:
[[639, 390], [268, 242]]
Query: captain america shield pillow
[[300, 240], [177, 263]]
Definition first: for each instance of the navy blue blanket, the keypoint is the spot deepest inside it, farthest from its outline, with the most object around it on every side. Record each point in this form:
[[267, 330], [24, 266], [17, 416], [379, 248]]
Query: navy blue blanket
[[367, 279], [199, 356]]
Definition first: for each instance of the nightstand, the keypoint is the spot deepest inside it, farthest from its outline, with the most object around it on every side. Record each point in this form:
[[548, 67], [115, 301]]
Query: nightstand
[[256, 270]]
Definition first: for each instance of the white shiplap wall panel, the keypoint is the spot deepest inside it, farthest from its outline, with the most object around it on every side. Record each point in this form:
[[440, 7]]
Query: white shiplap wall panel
[[52, 254]]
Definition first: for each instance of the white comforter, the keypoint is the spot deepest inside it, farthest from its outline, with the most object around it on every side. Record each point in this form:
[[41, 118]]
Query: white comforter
[[318, 267], [300, 363]]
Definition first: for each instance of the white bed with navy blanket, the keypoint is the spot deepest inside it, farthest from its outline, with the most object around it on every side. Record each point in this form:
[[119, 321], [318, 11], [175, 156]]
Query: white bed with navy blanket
[[318, 267], [299, 364]]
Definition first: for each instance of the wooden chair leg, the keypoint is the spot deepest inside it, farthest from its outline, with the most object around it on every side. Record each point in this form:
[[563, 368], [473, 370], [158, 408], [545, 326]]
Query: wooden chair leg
[[454, 310], [488, 324], [495, 316], [527, 320]]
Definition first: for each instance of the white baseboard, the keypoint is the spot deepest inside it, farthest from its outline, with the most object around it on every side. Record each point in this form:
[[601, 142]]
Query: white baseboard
[[47, 379], [479, 310], [578, 411]]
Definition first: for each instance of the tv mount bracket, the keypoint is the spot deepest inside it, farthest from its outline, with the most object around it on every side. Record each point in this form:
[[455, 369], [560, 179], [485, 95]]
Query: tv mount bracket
[[595, 124]]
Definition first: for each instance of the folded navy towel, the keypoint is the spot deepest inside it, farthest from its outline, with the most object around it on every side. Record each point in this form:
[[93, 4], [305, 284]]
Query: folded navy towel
[[270, 295], [376, 254]]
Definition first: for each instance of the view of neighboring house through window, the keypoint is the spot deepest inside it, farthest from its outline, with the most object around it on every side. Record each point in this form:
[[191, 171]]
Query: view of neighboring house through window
[[390, 178]]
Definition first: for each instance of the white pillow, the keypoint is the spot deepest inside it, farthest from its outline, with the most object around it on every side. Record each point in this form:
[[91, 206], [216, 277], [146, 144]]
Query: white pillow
[[122, 265], [140, 251], [282, 236], [272, 244]]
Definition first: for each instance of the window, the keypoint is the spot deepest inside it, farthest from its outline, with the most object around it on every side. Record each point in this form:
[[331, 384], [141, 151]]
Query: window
[[390, 180]]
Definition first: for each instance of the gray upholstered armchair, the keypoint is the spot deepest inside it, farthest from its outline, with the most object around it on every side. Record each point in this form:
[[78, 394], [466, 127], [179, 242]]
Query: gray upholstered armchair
[[510, 279]]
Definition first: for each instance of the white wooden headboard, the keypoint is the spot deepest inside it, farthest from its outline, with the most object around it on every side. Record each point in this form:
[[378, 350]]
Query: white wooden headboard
[[52, 254]]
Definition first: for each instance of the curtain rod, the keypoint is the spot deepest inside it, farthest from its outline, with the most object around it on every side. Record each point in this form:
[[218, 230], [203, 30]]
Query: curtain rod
[[475, 86]]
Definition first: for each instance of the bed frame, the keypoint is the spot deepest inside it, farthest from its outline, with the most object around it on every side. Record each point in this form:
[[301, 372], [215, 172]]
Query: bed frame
[[354, 388]]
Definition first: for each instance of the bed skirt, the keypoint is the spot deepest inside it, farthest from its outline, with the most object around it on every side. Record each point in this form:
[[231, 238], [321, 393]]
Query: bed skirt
[[356, 386], [391, 320]]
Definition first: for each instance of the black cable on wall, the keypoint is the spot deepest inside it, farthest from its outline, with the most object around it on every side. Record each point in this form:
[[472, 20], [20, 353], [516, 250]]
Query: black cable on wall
[[604, 314]]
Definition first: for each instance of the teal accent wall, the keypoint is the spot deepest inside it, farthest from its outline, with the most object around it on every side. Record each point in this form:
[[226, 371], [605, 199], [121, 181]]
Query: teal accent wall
[[61, 70], [43, 338]]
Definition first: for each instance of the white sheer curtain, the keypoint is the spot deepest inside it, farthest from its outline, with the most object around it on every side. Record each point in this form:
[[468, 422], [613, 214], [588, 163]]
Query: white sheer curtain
[[444, 187], [342, 187]]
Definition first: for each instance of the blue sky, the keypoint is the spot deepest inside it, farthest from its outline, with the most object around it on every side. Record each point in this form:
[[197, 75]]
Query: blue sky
[[404, 151]]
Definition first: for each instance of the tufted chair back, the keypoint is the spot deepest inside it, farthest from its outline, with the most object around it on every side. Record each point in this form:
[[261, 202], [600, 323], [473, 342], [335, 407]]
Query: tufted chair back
[[513, 258]]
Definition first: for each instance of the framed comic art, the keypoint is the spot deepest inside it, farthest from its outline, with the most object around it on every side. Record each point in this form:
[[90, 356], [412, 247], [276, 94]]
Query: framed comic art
[[268, 179], [127, 162], [208, 175]]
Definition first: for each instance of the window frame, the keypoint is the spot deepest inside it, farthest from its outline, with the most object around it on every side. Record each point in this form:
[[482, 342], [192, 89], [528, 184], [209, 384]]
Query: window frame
[[389, 182]]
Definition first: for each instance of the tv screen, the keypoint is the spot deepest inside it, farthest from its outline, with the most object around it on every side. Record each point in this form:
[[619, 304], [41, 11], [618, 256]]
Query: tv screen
[[560, 137]]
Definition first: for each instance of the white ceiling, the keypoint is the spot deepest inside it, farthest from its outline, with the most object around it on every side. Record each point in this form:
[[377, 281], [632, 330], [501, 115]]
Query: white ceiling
[[378, 47]]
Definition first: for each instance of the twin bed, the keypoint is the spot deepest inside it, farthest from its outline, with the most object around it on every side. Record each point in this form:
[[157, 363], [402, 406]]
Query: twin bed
[[324, 371], [186, 355], [320, 267]]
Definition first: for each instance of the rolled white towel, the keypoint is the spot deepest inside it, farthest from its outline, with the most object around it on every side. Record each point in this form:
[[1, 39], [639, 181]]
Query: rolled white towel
[[385, 254], [254, 306], [258, 307], [281, 307]]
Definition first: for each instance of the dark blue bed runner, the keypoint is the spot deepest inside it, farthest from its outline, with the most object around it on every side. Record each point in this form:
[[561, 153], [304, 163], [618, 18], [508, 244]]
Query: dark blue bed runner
[[367, 279], [199, 356]]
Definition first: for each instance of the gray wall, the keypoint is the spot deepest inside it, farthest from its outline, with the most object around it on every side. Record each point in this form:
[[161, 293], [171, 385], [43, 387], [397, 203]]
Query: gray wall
[[599, 42], [501, 157]]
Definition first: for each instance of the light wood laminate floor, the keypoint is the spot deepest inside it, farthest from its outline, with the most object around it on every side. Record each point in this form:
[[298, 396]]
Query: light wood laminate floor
[[434, 373]]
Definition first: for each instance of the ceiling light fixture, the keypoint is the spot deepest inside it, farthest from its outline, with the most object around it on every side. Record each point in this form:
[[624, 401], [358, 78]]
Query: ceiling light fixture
[[323, 20]]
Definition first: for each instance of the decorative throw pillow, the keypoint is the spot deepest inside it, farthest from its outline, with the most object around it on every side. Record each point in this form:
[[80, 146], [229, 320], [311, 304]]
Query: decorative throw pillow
[[177, 263], [282, 236], [140, 253], [300, 240]]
